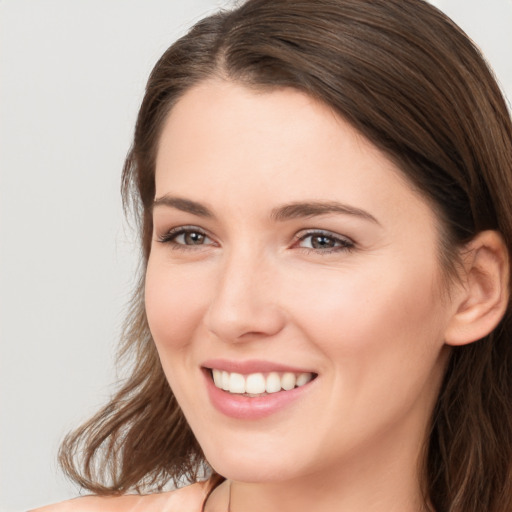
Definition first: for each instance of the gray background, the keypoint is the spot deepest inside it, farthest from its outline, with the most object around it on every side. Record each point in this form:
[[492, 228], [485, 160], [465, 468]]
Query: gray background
[[72, 74]]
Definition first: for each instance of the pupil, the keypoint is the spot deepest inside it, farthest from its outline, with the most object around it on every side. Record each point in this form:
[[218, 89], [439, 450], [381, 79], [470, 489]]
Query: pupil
[[322, 242], [194, 238]]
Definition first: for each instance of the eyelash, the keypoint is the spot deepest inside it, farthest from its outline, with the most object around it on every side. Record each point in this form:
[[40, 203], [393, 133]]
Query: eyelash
[[170, 236], [345, 243]]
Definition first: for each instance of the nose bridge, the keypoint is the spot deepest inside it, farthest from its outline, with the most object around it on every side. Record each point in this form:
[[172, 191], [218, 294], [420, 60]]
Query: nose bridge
[[244, 299]]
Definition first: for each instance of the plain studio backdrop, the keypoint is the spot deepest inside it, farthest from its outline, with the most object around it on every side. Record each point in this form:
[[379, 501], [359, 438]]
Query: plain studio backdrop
[[72, 75]]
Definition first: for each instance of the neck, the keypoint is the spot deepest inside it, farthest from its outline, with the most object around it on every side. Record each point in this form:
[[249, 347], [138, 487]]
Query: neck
[[323, 497]]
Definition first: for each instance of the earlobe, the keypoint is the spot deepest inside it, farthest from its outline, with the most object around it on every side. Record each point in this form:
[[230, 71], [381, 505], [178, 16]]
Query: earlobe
[[484, 292]]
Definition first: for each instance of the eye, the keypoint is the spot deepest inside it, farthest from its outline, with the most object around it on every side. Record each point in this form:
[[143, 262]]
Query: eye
[[324, 242], [184, 237]]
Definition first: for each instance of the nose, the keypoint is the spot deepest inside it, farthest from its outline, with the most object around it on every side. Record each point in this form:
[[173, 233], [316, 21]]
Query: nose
[[244, 305]]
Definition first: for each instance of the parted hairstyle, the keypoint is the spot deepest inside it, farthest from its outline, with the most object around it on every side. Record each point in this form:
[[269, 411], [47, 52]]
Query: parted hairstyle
[[408, 79]]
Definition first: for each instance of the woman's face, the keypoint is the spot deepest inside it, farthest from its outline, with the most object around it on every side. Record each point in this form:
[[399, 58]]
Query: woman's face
[[288, 250]]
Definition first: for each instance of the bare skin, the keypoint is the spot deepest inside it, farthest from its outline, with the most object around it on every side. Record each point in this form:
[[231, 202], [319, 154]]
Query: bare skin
[[366, 315]]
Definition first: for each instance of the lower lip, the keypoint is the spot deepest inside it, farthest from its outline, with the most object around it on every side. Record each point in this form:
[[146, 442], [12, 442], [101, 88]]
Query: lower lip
[[252, 408]]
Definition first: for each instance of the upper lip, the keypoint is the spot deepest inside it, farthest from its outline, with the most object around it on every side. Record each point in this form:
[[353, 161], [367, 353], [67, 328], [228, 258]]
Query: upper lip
[[251, 366]]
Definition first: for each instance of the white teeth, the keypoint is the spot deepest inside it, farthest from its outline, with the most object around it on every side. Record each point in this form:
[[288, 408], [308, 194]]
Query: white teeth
[[288, 381], [257, 383], [225, 381], [303, 378], [273, 383], [236, 383], [217, 378]]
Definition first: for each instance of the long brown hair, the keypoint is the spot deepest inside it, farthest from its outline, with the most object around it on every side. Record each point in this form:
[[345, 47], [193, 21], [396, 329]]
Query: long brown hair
[[409, 80]]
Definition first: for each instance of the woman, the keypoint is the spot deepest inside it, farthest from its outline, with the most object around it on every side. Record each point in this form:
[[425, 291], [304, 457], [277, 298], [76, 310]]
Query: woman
[[323, 321]]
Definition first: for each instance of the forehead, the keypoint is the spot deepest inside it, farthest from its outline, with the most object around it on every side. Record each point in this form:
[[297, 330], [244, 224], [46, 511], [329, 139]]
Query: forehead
[[223, 140]]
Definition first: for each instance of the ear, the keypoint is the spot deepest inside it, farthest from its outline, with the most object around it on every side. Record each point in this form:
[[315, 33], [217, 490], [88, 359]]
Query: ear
[[483, 294]]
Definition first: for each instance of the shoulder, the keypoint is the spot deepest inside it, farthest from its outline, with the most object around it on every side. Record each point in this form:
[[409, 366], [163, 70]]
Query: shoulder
[[186, 499]]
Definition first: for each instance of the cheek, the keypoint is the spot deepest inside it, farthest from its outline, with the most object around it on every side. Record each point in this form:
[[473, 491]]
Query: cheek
[[381, 339], [174, 305], [373, 321]]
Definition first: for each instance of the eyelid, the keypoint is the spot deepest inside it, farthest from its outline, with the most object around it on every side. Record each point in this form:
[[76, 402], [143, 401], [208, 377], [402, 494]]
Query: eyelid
[[346, 242], [169, 236]]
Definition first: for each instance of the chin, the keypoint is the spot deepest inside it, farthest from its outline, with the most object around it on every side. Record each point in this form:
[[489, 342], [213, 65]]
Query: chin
[[252, 465]]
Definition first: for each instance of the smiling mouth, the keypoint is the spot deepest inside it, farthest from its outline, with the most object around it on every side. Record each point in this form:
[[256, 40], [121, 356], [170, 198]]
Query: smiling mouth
[[258, 384]]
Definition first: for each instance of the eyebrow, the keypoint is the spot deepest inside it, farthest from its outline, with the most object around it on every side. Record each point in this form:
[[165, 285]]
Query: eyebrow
[[185, 205], [280, 214], [316, 208]]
